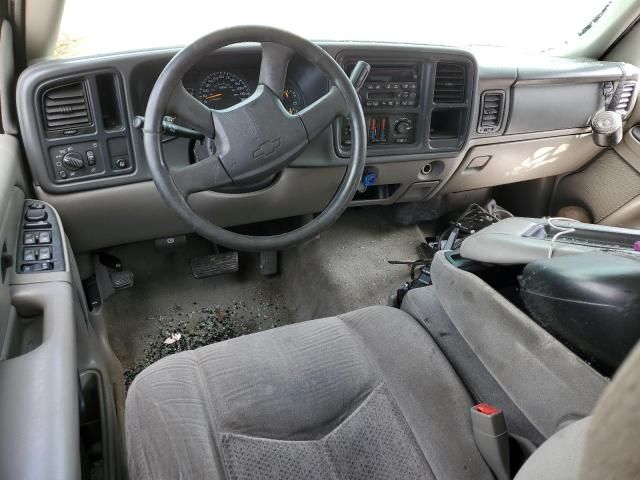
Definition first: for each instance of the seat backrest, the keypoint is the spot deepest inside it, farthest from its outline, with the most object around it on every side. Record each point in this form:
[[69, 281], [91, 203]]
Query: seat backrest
[[604, 445], [559, 456], [612, 444]]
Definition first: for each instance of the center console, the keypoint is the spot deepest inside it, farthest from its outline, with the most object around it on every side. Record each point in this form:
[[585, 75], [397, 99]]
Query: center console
[[518, 240], [411, 104], [580, 281]]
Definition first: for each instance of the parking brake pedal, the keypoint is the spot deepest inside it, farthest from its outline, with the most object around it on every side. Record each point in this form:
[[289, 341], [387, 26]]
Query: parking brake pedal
[[211, 265]]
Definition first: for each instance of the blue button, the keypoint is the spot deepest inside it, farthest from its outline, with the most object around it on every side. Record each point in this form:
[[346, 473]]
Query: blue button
[[370, 179]]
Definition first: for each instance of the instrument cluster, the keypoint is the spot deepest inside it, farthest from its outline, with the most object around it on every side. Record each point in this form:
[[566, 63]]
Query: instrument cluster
[[221, 89]]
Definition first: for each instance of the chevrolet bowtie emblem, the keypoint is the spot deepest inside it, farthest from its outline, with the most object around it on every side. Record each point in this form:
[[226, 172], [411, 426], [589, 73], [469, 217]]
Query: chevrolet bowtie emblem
[[266, 149]]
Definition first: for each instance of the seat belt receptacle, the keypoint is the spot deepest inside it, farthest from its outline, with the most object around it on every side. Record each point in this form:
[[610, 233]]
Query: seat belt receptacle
[[492, 438]]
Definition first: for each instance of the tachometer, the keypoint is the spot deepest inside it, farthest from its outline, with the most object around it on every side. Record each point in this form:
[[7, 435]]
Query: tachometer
[[221, 90], [292, 100]]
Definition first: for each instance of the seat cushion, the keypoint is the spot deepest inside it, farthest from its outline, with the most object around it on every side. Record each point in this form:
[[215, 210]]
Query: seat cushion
[[364, 395]]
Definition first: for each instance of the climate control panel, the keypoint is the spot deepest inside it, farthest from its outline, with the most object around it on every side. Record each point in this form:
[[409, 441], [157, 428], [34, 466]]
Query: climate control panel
[[390, 129]]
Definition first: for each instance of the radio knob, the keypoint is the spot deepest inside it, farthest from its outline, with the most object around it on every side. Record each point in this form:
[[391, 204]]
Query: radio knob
[[73, 161], [402, 127]]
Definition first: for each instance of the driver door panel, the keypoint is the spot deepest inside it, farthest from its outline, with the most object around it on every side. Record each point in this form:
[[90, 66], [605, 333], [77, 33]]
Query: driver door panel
[[39, 415]]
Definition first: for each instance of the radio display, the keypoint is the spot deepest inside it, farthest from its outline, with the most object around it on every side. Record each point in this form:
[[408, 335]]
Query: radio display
[[384, 73], [381, 95]]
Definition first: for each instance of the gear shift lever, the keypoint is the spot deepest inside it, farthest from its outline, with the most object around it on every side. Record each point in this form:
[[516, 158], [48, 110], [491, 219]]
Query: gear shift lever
[[359, 74]]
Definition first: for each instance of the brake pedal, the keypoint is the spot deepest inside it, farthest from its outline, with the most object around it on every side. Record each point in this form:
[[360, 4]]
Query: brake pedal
[[121, 280], [211, 265], [269, 263]]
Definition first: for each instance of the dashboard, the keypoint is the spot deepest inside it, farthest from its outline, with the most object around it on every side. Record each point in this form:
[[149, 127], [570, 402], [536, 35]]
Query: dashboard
[[439, 120]]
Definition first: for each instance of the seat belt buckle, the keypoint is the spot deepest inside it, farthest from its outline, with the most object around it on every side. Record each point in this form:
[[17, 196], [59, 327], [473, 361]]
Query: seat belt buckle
[[492, 438]]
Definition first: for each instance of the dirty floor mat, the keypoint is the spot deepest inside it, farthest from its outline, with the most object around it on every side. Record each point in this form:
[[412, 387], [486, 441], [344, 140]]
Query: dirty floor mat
[[344, 269]]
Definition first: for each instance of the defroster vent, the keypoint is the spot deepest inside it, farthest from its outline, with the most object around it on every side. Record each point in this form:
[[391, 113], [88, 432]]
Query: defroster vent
[[450, 83], [66, 107], [491, 108]]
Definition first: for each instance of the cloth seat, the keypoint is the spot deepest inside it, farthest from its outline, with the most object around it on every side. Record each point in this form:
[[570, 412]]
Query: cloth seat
[[365, 395]]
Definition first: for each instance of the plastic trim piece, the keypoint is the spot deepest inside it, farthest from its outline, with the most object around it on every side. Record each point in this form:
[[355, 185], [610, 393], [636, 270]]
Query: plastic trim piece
[[7, 73], [39, 395]]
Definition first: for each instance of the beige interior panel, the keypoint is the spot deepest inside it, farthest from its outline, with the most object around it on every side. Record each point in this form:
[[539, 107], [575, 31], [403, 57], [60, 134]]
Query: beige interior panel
[[129, 213], [11, 200], [628, 215], [518, 161]]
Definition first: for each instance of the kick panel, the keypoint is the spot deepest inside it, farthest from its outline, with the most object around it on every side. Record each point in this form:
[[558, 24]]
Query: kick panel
[[591, 187]]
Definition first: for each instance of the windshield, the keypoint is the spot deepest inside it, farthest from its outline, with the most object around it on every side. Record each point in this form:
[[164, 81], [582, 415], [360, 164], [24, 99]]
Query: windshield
[[91, 26]]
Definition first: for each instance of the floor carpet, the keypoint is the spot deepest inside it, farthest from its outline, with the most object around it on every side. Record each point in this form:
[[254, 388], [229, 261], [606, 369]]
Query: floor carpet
[[168, 310]]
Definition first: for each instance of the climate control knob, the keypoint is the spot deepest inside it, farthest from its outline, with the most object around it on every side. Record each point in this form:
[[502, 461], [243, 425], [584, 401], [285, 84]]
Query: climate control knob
[[403, 126], [73, 161]]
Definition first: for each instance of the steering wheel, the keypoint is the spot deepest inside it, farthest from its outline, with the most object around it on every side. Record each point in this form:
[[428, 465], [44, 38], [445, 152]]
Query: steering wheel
[[256, 138]]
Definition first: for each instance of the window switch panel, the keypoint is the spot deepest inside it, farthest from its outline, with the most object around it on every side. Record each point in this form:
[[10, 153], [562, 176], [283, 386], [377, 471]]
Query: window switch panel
[[41, 246]]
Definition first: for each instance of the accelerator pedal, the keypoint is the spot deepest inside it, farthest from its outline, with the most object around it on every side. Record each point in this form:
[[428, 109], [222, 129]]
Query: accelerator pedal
[[269, 263], [211, 265]]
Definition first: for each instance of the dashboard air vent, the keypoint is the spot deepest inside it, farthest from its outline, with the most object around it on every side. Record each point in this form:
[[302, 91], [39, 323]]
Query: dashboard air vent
[[492, 105], [626, 97], [66, 107], [450, 83]]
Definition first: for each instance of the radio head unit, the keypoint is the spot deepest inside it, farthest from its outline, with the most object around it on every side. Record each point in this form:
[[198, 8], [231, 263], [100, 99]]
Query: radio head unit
[[392, 86], [390, 98]]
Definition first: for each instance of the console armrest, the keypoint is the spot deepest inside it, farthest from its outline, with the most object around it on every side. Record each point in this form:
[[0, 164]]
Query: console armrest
[[519, 240]]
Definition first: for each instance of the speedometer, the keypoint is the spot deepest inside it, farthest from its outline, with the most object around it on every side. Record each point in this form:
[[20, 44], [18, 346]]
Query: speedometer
[[292, 100], [221, 90]]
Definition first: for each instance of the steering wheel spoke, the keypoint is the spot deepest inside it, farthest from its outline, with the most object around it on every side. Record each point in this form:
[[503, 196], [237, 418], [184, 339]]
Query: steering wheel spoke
[[273, 67], [200, 176], [191, 112], [319, 115]]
